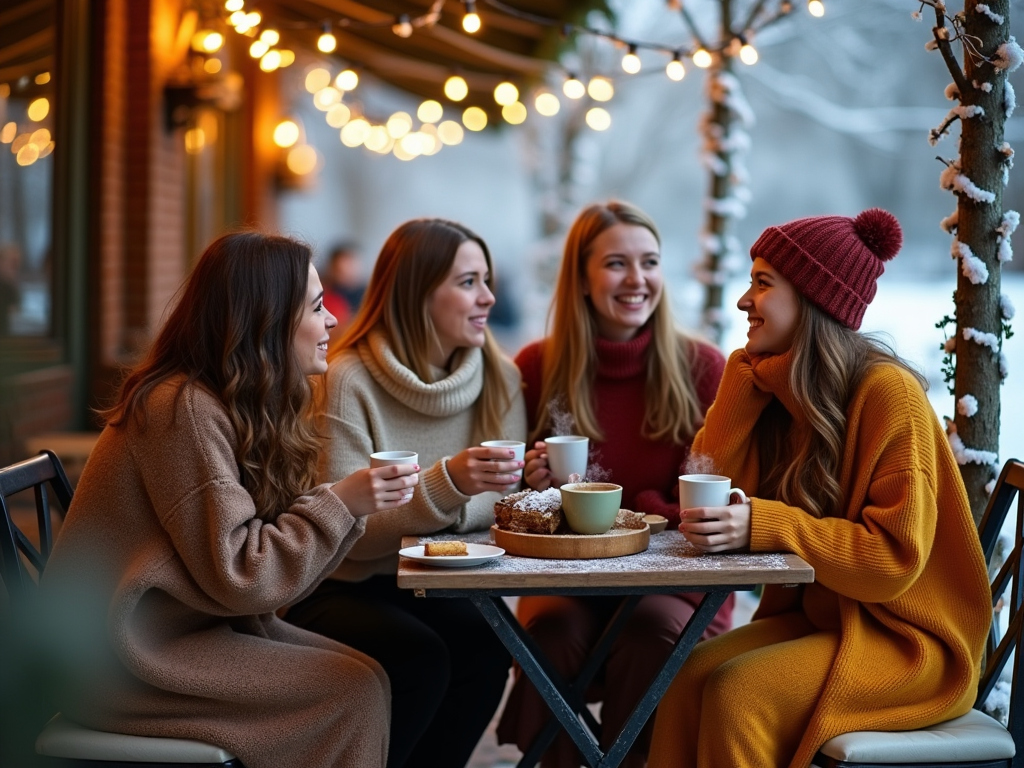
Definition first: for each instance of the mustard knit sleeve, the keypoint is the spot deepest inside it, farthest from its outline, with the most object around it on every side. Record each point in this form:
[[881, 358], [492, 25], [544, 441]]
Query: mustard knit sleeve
[[726, 437], [872, 557]]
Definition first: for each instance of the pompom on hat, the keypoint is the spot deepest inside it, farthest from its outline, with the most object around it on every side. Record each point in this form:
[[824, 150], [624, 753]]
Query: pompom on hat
[[833, 260]]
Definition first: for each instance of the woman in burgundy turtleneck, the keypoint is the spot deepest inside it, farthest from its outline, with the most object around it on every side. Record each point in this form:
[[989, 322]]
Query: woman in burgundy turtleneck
[[638, 388]]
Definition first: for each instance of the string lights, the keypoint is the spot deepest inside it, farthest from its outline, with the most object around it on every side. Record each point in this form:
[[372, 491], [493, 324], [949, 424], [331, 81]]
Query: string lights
[[471, 19]]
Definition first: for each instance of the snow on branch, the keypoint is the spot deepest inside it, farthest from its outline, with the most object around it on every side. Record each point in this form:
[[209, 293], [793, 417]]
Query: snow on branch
[[952, 92], [1008, 225], [996, 18], [956, 113], [1006, 308], [949, 224], [967, 405], [989, 340], [1008, 56], [965, 455], [985, 87], [952, 179], [974, 269], [1004, 366], [1009, 99]]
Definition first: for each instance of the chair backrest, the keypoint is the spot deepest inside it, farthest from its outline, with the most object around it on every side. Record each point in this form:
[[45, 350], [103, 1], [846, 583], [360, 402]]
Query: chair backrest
[[1010, 485], [17, 550]]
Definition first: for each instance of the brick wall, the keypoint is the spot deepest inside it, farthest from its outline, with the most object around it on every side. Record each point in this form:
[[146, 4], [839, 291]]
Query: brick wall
[[34, 403]]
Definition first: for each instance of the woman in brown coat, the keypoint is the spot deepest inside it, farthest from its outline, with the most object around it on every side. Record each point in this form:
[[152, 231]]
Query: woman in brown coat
[[197, 517]]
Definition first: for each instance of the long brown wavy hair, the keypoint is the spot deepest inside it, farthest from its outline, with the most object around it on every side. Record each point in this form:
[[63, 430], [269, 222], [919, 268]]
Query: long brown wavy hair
[[232, 331], [415, 260], [829, 362], [673, 410]]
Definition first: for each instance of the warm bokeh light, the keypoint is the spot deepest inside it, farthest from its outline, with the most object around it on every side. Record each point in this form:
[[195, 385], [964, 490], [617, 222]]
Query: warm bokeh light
[[302, 159], [237, 19], [400, 153], [327, 43], [317, 79], [270, 36], [431, 141], [287, 57], [412, 143], [338, 115], [574, 89], [385, 148], [326, 98], [270, 61], [20, 141], [378, 138], [471, 23], [430, 111], [46, 150], [258, 48], [474, 118], [506, 93], [455, 88], [28, 154], [355, 132], [212, 66], [39, 109], [450, 133], [816, 8], [207, 41], [631, 63], [195, 140], [5, 90], [234, 5], [748, 54], [403, 28], [347, 80], [44, 77], [600, 89], [286, 133], [8, 132], [702, 58], [547, 103], [675, 70], [514, 113], [599, 119], [399, 124], [40, 138]]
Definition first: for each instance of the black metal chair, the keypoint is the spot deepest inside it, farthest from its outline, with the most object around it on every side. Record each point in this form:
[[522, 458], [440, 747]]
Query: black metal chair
[[974, 740], [63, 742]]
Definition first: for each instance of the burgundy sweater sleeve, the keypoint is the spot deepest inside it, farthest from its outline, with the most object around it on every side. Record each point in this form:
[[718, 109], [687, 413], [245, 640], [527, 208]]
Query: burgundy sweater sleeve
[[530, 362], [707, 366]]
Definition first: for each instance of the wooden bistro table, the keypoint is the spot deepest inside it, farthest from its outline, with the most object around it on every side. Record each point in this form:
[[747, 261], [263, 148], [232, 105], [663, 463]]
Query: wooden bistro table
[[668, 565]]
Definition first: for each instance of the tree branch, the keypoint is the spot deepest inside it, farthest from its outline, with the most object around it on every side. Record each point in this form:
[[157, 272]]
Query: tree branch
[[752, 16], [942, 40], [694, 31]]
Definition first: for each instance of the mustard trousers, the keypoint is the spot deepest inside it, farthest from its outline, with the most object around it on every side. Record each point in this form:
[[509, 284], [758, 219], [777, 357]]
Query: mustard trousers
[[744, 699]]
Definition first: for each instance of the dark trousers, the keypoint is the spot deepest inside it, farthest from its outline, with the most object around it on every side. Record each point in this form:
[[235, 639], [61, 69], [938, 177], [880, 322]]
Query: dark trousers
[[446, 665]]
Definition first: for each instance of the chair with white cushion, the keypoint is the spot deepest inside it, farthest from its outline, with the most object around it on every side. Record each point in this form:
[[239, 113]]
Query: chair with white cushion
[[63, 742], [974, 740]]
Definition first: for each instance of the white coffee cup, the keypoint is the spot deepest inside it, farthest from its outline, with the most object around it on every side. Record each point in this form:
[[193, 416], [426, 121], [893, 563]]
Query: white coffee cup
[[567, 455], [389, 458], [516, 446], [707, 491]]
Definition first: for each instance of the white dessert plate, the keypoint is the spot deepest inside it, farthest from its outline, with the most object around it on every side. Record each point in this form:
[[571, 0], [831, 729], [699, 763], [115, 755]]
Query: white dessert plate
[[478, 553]]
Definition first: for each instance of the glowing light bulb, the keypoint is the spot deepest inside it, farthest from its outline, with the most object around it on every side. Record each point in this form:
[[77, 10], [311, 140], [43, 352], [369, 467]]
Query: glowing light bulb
[[450, 133], [377, 139], [206, 41], [573, 88], [286, 133], [474, 118], [338, 115], [403, 27], [399, 124], [347, 80], [599, 119], [287, 57], [506, 93], [514, 113], [28, 154], [213, 66], [455, 88], [748, 54], [816, 8], [327, 42], [547, 104], [234, 5], [237, 19], [38, 109], [44, 77], [430, 111], [271, 60], [317, 79], [355, 132], [600, 89], [471, 23], [675, 70], [270, 36], [326, 98], [631, 62], [8, 132], [258, 48], [702, 59], [302, 160]]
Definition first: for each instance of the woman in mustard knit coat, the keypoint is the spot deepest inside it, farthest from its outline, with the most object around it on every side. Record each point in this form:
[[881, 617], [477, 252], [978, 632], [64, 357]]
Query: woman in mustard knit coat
[[832, 437]]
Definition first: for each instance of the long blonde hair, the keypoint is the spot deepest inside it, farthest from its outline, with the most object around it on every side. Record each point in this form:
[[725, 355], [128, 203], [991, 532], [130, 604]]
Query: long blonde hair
[[829, 362], [232, 331], [673, 409], [415, 260]]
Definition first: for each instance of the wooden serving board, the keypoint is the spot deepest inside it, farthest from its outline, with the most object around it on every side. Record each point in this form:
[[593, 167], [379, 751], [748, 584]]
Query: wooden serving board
[[614, 543]]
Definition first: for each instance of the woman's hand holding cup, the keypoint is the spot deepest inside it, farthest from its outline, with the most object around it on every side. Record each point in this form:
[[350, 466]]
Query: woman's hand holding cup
[[481, 468], [717, 529], [376, 489], [537, 473]]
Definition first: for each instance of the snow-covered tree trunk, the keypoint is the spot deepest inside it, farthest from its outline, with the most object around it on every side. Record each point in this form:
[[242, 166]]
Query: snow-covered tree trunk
[[981, 230]]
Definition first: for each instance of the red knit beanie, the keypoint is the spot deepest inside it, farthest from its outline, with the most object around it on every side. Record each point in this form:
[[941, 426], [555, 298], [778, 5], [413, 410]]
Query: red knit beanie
[[833, 260]]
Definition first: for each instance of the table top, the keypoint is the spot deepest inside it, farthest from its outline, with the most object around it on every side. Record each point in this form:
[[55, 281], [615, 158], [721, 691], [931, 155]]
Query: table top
[[669, 561]]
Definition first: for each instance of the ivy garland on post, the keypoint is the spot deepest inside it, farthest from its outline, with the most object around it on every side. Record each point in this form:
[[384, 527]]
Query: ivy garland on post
[[974, 365]]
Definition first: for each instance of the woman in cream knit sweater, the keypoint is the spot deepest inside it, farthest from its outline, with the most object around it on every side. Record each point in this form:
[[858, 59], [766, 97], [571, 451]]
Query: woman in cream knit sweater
[[418, 370], [197, 517], [846, 465]]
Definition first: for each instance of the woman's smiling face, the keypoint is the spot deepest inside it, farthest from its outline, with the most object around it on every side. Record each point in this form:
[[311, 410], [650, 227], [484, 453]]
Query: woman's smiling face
[[773, 310], [623, 280]]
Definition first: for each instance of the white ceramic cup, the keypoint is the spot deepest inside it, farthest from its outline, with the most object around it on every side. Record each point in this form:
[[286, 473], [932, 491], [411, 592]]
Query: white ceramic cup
[[388, 458], [516, 446], [567, 455], [707, 491]]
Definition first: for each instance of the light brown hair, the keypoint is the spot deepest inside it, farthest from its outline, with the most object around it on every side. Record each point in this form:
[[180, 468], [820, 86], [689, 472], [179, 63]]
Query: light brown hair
[[232, 331], [673, 410], [829, 362], [414, 262]]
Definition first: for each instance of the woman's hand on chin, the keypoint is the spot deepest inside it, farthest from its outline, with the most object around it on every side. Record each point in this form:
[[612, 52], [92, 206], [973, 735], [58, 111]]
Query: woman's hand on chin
[[717, 529], [479, 469], [366, 491]]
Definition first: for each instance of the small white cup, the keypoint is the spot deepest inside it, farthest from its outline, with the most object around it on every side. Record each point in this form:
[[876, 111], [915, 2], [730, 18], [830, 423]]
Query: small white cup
[[706, 491], [567, 455], [516, 446], [389, 458]]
